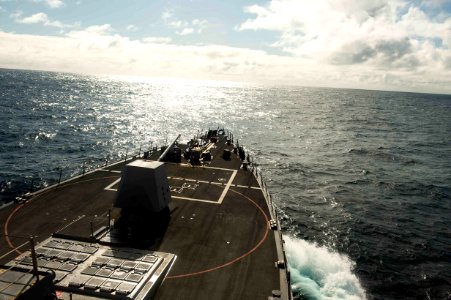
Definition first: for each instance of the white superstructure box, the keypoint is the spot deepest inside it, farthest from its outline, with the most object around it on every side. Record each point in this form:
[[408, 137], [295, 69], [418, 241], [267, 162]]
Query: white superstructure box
[[144, 184]]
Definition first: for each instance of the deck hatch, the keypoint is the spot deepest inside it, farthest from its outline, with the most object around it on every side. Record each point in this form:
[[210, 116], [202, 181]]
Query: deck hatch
[[125, 288], [94, 283], [90, 270], [102, 274], [109, 286]]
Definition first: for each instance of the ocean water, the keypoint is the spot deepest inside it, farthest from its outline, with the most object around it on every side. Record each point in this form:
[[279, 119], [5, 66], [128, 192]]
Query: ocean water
[[361, 179]]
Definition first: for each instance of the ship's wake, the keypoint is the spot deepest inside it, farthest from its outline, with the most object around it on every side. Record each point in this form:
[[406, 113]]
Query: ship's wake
[[318, 273]]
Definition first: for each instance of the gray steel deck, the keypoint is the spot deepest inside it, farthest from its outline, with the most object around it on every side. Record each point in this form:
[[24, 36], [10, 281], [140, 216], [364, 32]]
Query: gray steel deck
[[218, 230]]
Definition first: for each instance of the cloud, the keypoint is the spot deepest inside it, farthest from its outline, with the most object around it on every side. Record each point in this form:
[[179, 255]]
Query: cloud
[[92, 33], [51, 3], [157, 40], [199, 23], [54, 3], [131, 28], [383, 52], [393, 39], [184, 27], [177, 24], [349, 32], [186, 31], [17, 14], [353, 53], [393, 50], [97, 49], [448, 63], [166, 15], [37, 18]]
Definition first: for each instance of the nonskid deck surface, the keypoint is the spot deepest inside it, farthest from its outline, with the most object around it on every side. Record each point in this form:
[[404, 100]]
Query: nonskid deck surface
[[218, 228]]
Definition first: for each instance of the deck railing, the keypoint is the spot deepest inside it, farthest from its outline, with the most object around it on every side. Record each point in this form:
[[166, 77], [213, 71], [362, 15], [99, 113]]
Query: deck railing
[[23, 284], [63, 174], [269, 199]]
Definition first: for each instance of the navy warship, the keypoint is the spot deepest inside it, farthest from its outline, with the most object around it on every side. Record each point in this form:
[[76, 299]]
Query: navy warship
[[186, 221]]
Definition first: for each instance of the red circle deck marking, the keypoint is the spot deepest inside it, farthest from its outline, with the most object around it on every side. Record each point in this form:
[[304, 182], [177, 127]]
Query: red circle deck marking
[[174, 276], [6, 227], [5, 231], [238, 258]]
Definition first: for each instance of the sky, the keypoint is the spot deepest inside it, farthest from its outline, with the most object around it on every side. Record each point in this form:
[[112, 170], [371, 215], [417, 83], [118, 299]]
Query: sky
[[367, 44]]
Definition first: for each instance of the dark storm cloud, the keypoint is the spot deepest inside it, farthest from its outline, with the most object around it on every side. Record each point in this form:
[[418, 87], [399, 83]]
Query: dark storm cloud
[[448, 63], [392, 50], [354, 53], [387, 51]]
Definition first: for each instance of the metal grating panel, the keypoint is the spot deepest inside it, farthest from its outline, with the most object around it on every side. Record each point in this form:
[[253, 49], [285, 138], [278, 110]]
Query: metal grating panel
[[98, 270]]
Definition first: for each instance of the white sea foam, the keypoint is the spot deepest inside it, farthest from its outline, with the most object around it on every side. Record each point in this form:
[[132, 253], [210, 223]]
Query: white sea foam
[[44, 136], [318, 273]]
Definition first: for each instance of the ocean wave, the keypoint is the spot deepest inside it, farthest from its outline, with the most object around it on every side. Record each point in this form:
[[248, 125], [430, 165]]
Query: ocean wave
[[414, 188], [318, 273], [44, 136], [337, 174], [383, 154]]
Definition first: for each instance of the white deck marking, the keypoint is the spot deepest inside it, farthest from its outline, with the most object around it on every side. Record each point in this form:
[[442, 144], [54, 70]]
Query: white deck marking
[[110, 171], [249, 187], [224, 192], [175, 189], [72, 222], [214, 168], [194, 199], [224, 169], [110, 187]]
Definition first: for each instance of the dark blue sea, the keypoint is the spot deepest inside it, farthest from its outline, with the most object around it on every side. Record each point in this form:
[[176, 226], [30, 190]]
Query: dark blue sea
[[362, 179]]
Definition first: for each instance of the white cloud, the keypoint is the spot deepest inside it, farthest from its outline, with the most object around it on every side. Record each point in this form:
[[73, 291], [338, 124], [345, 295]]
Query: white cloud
[[186, 31], [131, 28], [318, 28], [199, 23], [91, 32], [195, 26], [51, 3], [16, 14], [157, 40], [166, 15], [184, 27], [177, 24], [40, 18], [97, 49], [54, 3], [36, 18], [359, 36]]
